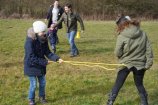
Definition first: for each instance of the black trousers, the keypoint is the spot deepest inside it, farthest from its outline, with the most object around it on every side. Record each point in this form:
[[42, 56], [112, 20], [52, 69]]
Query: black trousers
[[138, 76]]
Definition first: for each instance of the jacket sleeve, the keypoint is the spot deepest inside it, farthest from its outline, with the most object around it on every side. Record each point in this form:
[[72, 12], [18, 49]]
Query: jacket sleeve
[[119, 47], [60, 20], [80, 21], [49, 13], [51, 55], [149, 55], [61, 11], [31, 56]]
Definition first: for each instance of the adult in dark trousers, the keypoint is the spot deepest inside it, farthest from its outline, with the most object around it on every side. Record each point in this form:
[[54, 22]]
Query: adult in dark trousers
[[36, 49], [70, 19], [133, 49], [54, 13]]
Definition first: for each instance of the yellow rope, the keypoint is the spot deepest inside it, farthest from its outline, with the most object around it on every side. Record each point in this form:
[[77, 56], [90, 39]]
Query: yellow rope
[[91, 64], [95, 63]]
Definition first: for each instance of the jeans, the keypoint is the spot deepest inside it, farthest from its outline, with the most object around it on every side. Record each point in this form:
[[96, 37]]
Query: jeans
[[57, 39], [33, 83], [53, 38], [53, 42], [71, 37], [138, 79]]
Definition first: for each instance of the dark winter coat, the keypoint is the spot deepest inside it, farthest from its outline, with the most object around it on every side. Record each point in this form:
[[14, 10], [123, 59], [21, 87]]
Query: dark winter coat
[[35, 55], [49, 16]]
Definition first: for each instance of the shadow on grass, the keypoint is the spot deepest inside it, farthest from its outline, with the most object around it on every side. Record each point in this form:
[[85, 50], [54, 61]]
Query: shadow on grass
[[88, 51], [153, 98], [87, 91], [96, 51], [63, 51], [92, 90], [11, 64], [94, 41]]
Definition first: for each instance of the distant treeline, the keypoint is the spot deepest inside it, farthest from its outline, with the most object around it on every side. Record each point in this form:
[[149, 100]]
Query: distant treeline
[[88, 9]]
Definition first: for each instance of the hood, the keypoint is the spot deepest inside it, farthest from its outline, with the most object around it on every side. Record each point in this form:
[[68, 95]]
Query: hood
[[132, 32], [31, 34]]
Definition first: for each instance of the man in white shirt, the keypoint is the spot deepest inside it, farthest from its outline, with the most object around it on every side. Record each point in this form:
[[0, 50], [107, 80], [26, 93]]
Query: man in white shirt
[[54, 14]]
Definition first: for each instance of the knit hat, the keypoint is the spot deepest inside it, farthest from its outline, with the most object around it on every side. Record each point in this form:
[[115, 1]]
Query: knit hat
[[128, 18], [39, 26], [122, 19]]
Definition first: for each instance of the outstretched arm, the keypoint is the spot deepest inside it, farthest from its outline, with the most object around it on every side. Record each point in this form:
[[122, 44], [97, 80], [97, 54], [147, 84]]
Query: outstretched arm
[[60, 20]]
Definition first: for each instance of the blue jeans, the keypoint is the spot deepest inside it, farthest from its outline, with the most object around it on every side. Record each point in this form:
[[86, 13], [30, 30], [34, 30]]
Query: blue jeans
[[53, 42], [71, 38], [33, 83]]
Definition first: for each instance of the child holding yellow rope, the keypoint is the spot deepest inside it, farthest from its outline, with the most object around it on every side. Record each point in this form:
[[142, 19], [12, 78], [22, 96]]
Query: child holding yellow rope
[[35, 62], [134, 50]]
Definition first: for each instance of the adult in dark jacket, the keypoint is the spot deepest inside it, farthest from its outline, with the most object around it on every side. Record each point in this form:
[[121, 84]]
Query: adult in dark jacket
[[70, 19], [59, 13], [36, 49], [133, 49], [54, 13]]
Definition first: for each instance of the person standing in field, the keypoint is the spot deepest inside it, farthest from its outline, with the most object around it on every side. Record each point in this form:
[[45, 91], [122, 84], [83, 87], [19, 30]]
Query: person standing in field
[[52, 34], [54, 13], [133, 49], [35, 62], [70, 19]]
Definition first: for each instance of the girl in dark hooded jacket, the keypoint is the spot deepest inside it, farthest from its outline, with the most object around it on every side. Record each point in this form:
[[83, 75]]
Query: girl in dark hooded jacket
[[36, 51]]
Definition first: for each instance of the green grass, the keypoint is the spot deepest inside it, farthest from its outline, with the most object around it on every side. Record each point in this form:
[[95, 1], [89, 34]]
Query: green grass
[[67, 84]]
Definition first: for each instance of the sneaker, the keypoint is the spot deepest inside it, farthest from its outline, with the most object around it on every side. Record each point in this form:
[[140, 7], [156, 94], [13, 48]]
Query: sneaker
[[42, 100], [31, 102]]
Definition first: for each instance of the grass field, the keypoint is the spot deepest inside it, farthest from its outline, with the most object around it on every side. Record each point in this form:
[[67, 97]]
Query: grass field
[[67, 84]]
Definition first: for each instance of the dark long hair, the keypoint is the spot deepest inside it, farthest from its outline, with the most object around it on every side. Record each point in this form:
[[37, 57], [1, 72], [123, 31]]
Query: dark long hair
[[68, 5], [127, 23]]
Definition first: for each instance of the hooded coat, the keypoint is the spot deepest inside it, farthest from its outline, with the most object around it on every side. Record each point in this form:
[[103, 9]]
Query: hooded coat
[[35, 55], [134, 49]]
